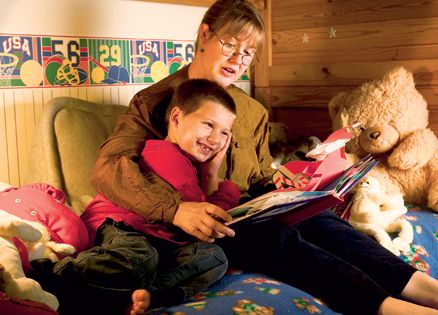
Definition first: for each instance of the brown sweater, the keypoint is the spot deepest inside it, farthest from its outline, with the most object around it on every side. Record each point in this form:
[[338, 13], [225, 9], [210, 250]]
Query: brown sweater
[[117, 176]]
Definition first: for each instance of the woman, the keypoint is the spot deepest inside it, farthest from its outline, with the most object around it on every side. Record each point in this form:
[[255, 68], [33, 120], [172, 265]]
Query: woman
[[323, 255]]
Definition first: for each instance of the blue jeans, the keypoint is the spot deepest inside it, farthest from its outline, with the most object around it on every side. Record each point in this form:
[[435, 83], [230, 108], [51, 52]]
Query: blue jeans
[[124, 259], [323, 256]]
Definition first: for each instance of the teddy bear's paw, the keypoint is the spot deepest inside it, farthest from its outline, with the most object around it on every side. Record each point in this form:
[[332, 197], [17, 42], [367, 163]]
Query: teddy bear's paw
[[403, 162], [29, 289], [407, 165], [24, 231], [390, 246], [433, 204], [401, 244], [61, 248]]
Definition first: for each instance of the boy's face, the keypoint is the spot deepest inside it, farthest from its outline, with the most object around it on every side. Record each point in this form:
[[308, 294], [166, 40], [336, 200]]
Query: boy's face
[[202, 133]]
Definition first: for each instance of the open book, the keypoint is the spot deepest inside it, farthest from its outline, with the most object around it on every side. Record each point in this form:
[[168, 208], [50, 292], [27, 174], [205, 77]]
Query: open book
[[292, 206]]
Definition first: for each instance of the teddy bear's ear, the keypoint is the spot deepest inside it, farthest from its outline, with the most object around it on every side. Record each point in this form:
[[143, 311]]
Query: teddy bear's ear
[[398, 78], [344, 118], [336, 105]]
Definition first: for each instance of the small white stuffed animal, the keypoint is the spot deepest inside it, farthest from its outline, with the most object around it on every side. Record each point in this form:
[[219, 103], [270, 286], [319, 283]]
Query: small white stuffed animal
[[377, 213], [37, 241]]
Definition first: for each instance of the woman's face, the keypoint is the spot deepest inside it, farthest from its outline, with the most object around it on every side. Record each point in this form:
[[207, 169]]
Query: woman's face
[[213, 65]]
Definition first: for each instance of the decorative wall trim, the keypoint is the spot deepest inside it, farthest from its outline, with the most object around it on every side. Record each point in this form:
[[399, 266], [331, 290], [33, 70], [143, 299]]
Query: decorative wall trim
[[69, 61]]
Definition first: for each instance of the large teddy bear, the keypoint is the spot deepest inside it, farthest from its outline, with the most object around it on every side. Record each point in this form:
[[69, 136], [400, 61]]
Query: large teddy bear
[[393, 120]]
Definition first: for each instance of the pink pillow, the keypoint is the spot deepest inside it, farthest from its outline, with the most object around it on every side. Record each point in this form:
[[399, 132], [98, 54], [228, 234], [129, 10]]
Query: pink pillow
[[46, 204]]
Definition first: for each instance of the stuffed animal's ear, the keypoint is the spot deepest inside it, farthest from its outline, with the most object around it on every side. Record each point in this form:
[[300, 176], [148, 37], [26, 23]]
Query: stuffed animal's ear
[[338, 111], [336, 105], [344, 118], [397, 79]]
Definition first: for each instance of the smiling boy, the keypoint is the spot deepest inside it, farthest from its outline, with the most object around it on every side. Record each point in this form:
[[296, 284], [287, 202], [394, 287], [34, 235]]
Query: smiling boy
[[174, 265]]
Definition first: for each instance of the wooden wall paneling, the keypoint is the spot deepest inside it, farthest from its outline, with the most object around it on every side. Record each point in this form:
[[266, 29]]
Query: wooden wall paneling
[[107, 99], [82, 93], [28, 101], [56, 92], [321, 48], [316, 13], [21, 126], [319, 96], [305, 96], [139, 88], [290, 102], [95, 94], [11, 138], [124, 97], [114, 95], [371, 54], [263, 95], [38, 103], [303, 122], [350, 73], [65, 91], [47, 96], [307, 121], [133, 89], [264, 60], [4, 158], [74, 92], [379, 41]]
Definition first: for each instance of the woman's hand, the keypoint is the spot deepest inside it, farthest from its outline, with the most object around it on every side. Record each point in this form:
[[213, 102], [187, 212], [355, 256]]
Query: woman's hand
[[199, 219]]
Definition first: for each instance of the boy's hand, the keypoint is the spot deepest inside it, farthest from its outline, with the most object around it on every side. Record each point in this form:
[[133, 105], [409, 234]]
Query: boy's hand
[[211, 166], [199, 220]]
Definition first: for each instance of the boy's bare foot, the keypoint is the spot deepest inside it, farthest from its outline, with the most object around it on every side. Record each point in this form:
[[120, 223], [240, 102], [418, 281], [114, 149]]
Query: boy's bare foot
[[140, 301]]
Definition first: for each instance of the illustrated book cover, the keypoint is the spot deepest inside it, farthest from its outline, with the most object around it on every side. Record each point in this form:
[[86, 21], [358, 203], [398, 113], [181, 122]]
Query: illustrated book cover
[[306, 188]]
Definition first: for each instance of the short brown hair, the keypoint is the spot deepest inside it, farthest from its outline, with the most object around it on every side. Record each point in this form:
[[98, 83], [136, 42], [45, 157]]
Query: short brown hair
[[235, 18], [190, 94]]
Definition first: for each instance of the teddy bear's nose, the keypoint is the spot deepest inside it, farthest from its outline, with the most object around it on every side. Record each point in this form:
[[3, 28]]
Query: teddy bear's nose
[[375, 134]]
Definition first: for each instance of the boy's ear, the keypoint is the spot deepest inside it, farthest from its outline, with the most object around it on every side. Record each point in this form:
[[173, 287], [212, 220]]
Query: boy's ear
[[175, 115]]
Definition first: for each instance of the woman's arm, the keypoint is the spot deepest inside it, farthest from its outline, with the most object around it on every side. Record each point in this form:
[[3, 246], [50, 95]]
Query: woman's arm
[[116, 173]]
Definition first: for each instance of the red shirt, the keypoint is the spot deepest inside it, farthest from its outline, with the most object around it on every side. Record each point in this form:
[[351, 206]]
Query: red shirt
[[169, 162]]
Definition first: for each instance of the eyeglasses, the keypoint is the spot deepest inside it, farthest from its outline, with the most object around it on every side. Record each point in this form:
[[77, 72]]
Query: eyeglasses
[[229, 50]]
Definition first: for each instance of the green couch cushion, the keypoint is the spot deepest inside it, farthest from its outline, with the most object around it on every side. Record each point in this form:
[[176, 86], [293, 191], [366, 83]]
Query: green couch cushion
[[65, 144]]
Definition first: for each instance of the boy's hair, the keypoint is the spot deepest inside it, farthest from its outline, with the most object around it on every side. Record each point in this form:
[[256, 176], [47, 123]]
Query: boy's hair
[[235, 18], [190, 94]]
